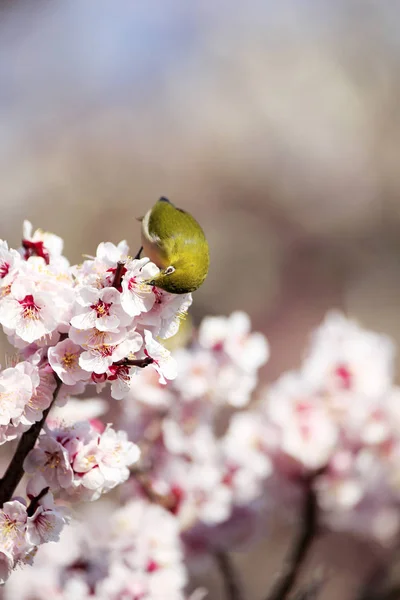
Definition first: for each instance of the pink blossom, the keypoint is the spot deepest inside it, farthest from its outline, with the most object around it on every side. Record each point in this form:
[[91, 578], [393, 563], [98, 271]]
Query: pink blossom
[[163, 362], [233, 336], [64, 360], [43, 244], [13, 519], [31, 314], [308, 434], [343, 357], [16, 389], [42, 396], [9, 263], [100, 309], [6, 564], [52, 460], [46, 523], [246, 459], [137, 296], [164, 319], [103, 348]]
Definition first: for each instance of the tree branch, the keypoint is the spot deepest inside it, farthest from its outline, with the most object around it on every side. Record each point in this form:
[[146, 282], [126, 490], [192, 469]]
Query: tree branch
[[229, 576], [35, 502], [15, 469], [301, 545], [118, 275], [138, 362]]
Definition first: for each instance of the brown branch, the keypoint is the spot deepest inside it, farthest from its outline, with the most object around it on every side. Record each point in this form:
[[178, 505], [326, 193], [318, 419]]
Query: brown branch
[[139, 253], [311, 590], [140, 362], [118, 275], [15, 469], [229, 576], [301, 545], [378, 584], [34, 503]]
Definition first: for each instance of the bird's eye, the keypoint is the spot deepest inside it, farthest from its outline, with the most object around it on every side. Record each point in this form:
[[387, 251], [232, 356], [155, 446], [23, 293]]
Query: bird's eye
[[169, 270]]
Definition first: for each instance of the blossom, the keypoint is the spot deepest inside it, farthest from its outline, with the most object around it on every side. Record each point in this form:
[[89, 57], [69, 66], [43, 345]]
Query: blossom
[[52, 459], [31, 314], [232, 335], [164, 319], [100, 309], [308, 433], [137, 296], [44, 385], [46, 245], [13, 519], [46, 523], [120, 377], [6, 564], [112, 454], [99, 271], [163, 362], [16, 389], [246, 459], [64, 360], [103, 348], [81, 462], [9, 263], [343, 357]]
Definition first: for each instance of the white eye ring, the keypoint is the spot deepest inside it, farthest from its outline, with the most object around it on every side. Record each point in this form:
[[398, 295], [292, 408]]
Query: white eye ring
[[169, 270]]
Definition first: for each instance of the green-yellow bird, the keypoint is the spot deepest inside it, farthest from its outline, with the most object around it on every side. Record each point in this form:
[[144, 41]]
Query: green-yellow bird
[[176, 243]]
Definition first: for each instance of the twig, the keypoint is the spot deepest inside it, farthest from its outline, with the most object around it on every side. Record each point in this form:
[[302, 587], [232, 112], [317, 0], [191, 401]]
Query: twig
[[301, 545], [377, 584], [15, 469], [139, 253], [139, 362], [229, 576], [311, 590], [380, 593], [118, 275], [34, 503]]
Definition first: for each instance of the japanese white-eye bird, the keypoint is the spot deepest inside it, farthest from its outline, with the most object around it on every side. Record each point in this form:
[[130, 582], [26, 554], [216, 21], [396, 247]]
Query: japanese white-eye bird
[[176, 243]]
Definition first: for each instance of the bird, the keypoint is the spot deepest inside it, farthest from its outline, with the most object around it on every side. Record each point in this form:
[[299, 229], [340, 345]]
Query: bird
[[176, 243]]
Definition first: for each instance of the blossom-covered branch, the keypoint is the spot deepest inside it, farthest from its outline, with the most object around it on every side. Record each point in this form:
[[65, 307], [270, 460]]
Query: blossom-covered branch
[[203, 459], [73, 326]]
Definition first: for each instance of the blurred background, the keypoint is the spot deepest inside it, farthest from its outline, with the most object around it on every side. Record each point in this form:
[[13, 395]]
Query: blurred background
[[276, 124]]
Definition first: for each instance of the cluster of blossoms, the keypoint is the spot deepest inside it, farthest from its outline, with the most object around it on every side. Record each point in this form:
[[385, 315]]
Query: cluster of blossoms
[[72, 326], [337, 420], [334, 423], [201, 475], [136, 554], [203, 462]]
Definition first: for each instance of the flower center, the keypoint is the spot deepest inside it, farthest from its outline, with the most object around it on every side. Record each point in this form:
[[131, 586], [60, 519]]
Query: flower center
[[105, 349], [30, 310], [119, 372], [9, 525], [344, 376], [35, 249], [70, 360], [4, 269], [102, 308], [53, 460]]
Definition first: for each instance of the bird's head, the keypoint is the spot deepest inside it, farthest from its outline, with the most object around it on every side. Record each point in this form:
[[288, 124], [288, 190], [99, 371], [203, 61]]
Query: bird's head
[[180, 278]]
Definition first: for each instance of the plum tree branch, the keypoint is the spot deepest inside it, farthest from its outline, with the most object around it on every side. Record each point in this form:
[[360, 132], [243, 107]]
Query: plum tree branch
[[300, 547], [229, 576]]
